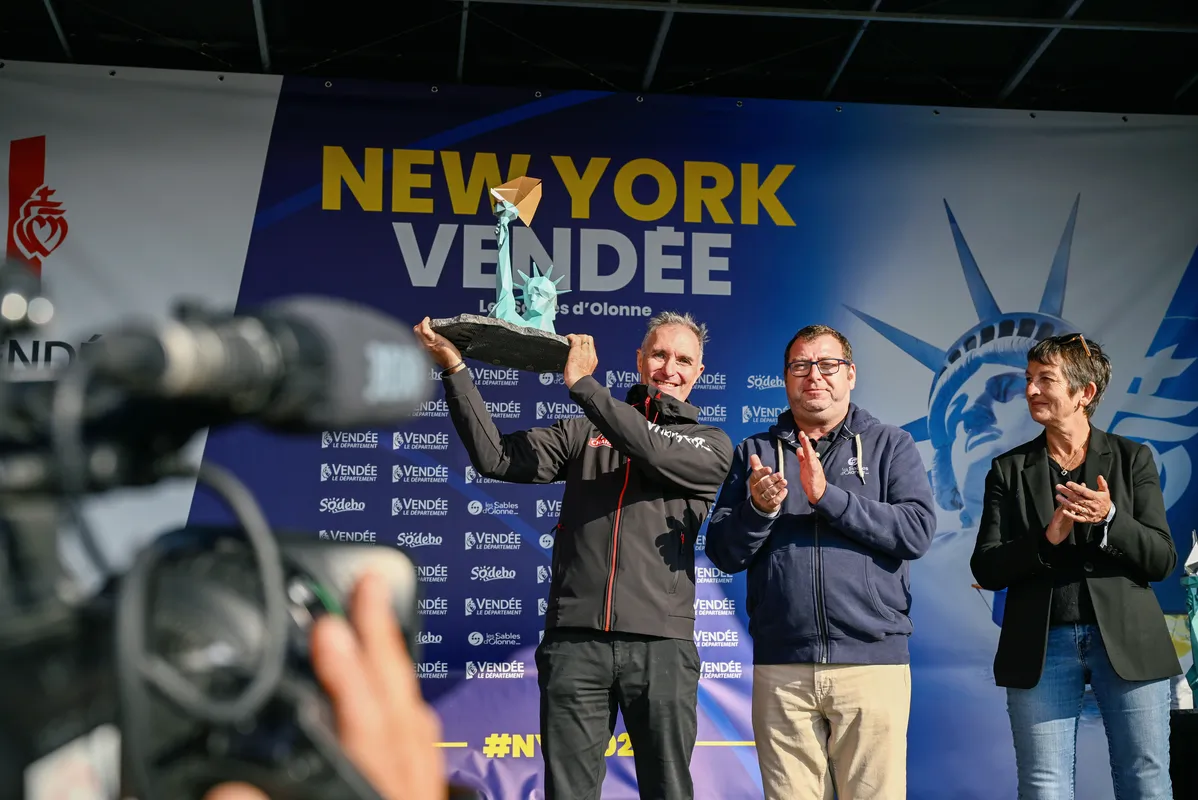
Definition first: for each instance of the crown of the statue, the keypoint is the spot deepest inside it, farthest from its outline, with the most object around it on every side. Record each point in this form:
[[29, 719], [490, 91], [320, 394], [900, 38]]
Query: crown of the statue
[[523, 193]]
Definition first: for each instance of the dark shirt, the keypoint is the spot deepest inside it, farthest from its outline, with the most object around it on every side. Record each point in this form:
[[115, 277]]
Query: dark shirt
[[824, 443], [1071, 603]]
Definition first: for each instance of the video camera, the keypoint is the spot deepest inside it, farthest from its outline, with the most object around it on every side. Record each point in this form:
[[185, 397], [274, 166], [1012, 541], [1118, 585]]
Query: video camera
[[199, 652]]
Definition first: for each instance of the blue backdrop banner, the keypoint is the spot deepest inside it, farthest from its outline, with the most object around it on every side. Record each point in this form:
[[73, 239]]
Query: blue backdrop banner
[[919, 234]]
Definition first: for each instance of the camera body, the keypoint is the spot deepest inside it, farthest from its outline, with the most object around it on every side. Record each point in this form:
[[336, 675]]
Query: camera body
[[199, 651], [206, 620]]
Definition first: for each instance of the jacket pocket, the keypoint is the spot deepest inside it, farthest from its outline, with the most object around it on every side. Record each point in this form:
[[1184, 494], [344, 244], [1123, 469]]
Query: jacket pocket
[[679, 549], [854, 605], [782, 595]]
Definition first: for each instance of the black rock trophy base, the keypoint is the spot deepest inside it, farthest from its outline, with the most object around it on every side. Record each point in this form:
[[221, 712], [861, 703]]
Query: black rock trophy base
[[498, 342]]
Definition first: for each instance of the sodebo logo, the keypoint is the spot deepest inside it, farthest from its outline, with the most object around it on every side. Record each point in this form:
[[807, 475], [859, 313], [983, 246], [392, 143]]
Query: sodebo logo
[[764, 382], [492, 574], [410, 539], [339, 505]]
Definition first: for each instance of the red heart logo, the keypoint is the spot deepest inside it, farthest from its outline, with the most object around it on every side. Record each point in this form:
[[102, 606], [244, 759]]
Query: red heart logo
[[41, 226]]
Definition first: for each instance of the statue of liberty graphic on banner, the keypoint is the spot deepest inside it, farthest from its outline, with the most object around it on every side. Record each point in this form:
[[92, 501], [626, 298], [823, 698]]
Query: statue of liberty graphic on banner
[[976, 411]]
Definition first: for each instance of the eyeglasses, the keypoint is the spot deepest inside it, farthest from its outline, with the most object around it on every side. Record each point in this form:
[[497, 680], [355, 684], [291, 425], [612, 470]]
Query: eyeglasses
[[827, 366], [1084, 345]]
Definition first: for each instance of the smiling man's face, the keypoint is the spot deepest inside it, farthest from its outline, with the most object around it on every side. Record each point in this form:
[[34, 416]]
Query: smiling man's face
[[671, 360]]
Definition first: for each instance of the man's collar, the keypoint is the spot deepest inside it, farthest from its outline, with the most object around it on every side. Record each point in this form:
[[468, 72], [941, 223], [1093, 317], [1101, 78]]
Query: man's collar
[[832, 435], [788, 430], [667, 406]]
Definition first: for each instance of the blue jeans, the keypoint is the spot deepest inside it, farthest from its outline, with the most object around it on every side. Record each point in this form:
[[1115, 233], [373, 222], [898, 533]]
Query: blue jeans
[[1044, 722]]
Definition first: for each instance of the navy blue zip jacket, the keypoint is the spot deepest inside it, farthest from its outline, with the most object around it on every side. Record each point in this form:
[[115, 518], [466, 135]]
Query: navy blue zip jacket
[[829, 584]]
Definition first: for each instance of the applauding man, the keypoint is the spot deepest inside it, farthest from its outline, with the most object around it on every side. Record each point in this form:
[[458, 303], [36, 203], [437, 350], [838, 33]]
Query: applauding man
[[825, 510], [640, 477]]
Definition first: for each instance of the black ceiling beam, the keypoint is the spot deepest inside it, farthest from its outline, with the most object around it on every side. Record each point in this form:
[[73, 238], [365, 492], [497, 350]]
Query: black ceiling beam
[[663, 30], [260, 27], [1038, 51], [62, 37], [848, 53], [781, 12]]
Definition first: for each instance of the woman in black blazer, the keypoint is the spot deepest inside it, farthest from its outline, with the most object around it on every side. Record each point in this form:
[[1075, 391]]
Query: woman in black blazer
[[1074, 528]]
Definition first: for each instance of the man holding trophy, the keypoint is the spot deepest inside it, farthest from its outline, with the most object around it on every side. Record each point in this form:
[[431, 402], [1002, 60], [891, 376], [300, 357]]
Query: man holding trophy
[[640, 477]]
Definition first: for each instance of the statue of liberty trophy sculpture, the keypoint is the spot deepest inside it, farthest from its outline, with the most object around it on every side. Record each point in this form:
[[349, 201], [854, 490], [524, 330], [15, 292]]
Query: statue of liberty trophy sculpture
[[506, 337]]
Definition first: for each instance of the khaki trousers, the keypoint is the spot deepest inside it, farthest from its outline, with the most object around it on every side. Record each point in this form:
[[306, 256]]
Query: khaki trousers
[[820, 725]]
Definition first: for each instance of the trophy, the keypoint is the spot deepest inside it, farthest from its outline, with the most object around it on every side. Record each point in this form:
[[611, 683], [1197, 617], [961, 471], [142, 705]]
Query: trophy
[[506, 337]]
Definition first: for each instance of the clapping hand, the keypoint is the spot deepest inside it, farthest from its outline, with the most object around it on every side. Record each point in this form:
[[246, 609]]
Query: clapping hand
[[1082, 504], [1059, 527], [767, 488], [1077, 503], [811, 470]]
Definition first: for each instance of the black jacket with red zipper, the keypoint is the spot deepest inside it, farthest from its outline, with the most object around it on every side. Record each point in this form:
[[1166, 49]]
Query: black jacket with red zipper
[[640, 477]]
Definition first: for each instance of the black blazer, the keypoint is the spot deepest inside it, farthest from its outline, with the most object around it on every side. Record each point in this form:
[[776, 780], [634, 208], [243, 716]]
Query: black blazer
[[1019, 504]]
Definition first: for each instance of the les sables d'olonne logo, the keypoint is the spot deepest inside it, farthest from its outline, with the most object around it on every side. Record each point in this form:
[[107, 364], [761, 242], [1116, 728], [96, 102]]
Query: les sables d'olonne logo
[[37, 223]]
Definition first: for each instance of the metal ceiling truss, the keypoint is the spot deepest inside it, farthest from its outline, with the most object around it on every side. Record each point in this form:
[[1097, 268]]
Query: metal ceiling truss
[[844, 60], [668, 8], [260, 27], [783, 12], [1034, 56], [462, 40], [1053, 27], [660, 42], [62, 37]]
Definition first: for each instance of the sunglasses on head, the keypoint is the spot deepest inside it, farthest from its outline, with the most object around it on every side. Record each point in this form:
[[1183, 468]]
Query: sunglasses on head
[[1084, 345]]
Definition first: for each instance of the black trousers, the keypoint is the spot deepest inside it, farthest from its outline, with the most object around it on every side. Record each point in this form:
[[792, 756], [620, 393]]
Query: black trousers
[[584, 676]]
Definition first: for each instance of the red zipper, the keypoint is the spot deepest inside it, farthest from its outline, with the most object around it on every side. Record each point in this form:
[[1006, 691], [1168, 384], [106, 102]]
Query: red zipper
[[615, 537], [615, 541]]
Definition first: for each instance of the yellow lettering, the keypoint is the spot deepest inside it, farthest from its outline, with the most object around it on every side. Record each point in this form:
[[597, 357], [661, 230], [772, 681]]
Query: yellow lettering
[[695, 195], [766, 193], [403, 181], [667, 189], [580, 187], [464, 194], [366, 188], [522, 746]]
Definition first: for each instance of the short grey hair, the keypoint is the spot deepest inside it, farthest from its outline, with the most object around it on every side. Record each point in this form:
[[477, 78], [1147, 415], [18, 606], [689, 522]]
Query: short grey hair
[[663, 318]]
